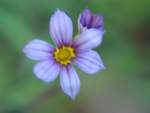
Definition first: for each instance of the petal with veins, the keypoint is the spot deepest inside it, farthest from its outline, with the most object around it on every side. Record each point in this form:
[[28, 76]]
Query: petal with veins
[[89, 39], [70, 82], [38, 50], [47, 70], [61, 28], [89, 62]]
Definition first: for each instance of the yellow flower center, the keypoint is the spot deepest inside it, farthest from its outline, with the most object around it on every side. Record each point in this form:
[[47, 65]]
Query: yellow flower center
[[64, 54]]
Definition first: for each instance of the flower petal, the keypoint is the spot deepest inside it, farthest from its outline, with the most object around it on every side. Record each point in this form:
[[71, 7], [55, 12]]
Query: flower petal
[[84, 19], [47, 70], [61, 28], [97, 22], [89, 39], [89, 62], [38, 50], [70, 82]]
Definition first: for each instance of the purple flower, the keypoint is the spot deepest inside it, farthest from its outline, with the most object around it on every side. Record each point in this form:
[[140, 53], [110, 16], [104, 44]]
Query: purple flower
[[87, 20], [59, 60]]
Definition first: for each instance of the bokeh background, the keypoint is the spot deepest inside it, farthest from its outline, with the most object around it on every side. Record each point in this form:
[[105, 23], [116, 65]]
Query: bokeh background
[[124, 87]]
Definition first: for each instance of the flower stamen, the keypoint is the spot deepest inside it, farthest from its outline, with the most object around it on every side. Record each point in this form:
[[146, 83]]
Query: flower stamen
[[64, 54]]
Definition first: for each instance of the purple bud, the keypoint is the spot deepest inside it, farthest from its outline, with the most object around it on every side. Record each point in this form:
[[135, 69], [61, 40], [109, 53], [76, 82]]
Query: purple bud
[[89, 20], [86, 17]]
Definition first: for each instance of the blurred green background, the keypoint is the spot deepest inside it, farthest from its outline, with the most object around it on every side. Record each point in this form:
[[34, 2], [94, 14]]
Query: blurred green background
[[124, 87]]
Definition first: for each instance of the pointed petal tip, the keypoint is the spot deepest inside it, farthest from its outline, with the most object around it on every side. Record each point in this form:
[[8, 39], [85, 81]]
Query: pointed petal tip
[[73, 97], [24, 50], [102, 67], [58, 11], [86, 9]]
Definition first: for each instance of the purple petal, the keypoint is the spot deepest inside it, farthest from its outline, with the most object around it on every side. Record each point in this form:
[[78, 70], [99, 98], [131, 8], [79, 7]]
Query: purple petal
[[61, 28], [38, 50], [85, 17], [70, 82], [97, 21], [89, 62], [47, 70], [89, 39]]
